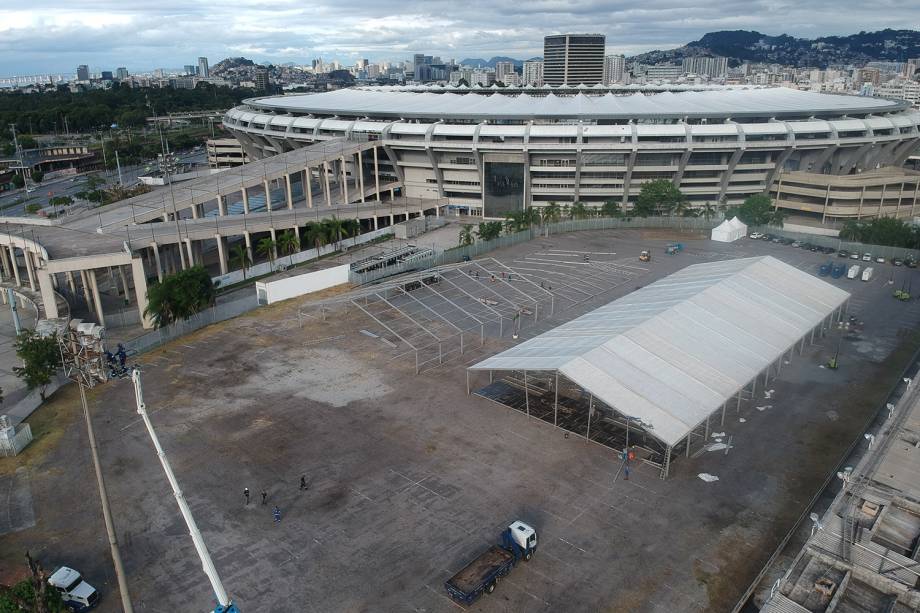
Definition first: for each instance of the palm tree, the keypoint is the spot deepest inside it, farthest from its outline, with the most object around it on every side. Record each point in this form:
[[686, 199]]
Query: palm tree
[[315, 234], [267, 247], [708, 211], [579, 210], [240, 255], [564, 211], [551, 213], [289, 243], [611, 208], [351, 227], [335, 229], [466, 236], [777, 217]]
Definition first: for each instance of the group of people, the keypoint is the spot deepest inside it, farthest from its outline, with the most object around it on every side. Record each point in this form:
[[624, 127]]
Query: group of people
[[276, 510]]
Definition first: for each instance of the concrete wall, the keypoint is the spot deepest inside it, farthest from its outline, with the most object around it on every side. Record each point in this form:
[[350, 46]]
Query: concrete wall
[[276, 291]]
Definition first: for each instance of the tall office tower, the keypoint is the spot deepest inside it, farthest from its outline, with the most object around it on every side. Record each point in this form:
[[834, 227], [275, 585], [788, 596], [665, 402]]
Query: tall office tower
[[714, 67], [106, 75], [570, 59], [261, 79], [614, 69], [502, 70], [203, 71], [533, 73], [121, 73], [911, 67], [82, 72], [191, 70]]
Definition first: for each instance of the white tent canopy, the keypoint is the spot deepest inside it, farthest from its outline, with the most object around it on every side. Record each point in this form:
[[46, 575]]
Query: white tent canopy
[[729, 230], [673, 353]]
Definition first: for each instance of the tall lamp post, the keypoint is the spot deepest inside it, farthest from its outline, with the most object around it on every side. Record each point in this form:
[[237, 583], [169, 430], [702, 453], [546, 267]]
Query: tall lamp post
[[83, 359]]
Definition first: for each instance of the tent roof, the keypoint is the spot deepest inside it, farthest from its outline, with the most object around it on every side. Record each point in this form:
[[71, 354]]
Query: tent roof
[[670, 354], [737, 223]]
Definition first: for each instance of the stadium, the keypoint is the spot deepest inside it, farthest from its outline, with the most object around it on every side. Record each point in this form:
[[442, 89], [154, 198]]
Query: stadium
[[488, 151]]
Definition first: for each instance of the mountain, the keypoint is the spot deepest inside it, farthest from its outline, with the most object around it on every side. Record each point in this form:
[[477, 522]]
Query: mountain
[[490, 63], [751, 46], [229, 64]]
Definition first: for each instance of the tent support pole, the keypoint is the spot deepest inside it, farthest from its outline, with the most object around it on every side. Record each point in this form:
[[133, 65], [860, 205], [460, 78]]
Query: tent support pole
[[590, 411], [666, 465], [689, 436], [526, 394], [556, 402], [739, 402], [490, 376], [724, 404], [467, 382], [706, 438]]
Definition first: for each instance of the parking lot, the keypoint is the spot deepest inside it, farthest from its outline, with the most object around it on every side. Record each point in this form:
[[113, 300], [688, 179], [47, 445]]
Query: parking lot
[[410, 477]]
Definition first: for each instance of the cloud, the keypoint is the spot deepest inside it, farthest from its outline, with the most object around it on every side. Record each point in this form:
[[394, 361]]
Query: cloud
[[53, 36]]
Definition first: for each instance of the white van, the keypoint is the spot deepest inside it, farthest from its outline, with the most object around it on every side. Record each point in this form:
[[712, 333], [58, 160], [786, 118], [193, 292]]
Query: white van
[[867, 273], [853, 272], [75, 592]]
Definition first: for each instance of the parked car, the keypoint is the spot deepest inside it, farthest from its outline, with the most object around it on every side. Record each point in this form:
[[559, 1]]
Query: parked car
[[867, 257], [910, 263], [776, 239], [755, 235], [880, 260], [787, 241], [796, 244], [827, 250], [897, 262], [843, 253], [854, 256], [814, 248]]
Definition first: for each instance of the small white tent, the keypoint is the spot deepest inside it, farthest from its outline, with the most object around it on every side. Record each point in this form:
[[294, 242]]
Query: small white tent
[[729, 231]]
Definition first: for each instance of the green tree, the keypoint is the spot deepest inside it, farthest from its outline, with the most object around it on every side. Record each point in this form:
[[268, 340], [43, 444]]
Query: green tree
[[518, 221], [268, 248], [579, 211], [41, 358], [489, 230], [239, 255], [315, 234], [351, 228], [466, 236], [551, 213], [33, 594], [611, 208], [179, 296], [37, 175], [756, 210], [335, 230], [658, 197], [289, 243], [707, 211], [18, 181]]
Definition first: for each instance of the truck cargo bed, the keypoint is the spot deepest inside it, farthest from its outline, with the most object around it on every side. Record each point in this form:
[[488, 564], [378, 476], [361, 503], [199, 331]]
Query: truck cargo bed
[[476, 572]]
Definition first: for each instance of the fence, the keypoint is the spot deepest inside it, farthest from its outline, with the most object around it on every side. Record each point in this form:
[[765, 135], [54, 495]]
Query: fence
[[458, 254], [838, 244], [306, 255], [12, 445], [215, 314]]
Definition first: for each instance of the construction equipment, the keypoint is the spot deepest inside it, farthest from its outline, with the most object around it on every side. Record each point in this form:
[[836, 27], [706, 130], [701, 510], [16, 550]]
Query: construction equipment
[[645, 256], [674, 248]]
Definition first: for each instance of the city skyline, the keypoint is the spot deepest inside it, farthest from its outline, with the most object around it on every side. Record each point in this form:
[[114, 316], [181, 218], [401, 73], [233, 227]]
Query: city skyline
[[53, 37]]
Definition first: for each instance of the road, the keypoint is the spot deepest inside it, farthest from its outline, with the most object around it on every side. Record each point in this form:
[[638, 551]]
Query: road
[[14, 203]]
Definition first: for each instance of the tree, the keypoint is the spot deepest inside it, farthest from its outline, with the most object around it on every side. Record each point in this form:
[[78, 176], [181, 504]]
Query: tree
[[19, 181], [551, 213], [240, 255], [315, 234], [32, 594], [611, 208], [756, 210], [268, 247], [37, 175], [179, 296], [351, 227], [489, 230], [41, 358], [708, 211], [466, 236], [289, 243], [579, 211], [657, 197], [335, 229], [518, 221]]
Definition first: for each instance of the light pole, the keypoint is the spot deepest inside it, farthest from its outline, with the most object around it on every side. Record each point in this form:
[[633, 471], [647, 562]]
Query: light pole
[[82, 357]]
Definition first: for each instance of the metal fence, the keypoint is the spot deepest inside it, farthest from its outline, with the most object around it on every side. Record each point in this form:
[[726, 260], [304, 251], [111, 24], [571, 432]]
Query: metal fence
[[218, 313], [459, 254], [12, 445], [840, 244]]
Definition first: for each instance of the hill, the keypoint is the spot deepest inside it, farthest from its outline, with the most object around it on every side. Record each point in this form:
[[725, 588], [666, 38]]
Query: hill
[[751, 46]]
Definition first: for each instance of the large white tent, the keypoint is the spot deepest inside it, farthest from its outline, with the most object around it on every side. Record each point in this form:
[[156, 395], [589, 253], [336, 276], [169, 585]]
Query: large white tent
[[673, 353], [729, 230]]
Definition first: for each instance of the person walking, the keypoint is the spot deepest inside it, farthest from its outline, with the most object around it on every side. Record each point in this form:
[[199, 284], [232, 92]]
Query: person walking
[[246, 494], [303, 482], [264, 496], [276, 513]]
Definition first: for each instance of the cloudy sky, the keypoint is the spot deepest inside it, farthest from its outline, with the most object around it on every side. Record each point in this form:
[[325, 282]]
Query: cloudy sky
[[43, 36]]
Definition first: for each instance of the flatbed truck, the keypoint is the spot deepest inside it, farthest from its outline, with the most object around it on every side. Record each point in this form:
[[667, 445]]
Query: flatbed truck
[[518, 542]]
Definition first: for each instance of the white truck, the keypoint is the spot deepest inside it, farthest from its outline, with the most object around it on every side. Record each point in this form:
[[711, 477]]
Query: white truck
[[853, 273], [75, 592], [867, 273]]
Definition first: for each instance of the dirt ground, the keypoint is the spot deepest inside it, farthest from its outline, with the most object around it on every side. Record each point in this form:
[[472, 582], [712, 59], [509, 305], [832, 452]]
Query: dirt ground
[[409, 477]]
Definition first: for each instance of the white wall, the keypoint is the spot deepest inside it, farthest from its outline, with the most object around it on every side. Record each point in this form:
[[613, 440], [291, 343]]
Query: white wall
[[275, 291]]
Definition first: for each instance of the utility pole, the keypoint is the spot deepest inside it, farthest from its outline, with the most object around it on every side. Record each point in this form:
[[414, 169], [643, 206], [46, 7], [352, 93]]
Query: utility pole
[[22, 168], [82, 357], [118, 165]]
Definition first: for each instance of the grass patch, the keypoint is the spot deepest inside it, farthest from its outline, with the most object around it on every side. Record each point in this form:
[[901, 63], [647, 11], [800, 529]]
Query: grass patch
[[48, 424]]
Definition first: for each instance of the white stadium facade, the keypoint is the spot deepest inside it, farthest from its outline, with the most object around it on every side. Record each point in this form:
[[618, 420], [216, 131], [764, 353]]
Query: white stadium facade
[[488, 151]]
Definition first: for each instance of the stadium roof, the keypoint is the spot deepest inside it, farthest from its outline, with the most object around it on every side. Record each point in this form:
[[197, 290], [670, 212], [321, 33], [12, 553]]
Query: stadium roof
[[672, 353], [770, 102]]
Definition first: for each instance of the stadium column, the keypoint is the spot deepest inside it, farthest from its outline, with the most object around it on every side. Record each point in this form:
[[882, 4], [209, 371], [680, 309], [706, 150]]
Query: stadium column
[[268, 194], [326, 183], [376, 176], [190, 252], [30, 268], [827, 198], [344, 178], [247, 238], [49, 300], [274, 236], [156, 258], [245, 192], [290, 195], [97, 301], [308, 186], [7, 270], [221, 253], [221, 205], [12, 251], [361, 176], [140, 290]]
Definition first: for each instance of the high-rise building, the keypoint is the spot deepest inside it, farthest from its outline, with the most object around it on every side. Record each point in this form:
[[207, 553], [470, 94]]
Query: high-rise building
[[191, 70], [82, 72], [261, 79], [121, 73], [482, 76], [571, 59], [106, 75], [502, 70], [911, 67], [533, 73], [614, 69], [203, 70], [713, 67]]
